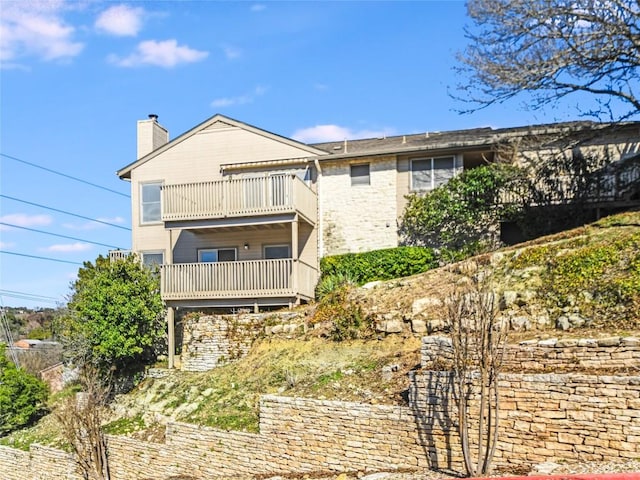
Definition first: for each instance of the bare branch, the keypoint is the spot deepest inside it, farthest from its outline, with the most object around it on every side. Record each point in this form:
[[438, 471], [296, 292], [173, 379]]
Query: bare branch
[[551, 49]]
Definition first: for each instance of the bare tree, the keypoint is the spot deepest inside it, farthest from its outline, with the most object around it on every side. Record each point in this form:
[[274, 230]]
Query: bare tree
[[81, 419], [478, 340], [553, 48]]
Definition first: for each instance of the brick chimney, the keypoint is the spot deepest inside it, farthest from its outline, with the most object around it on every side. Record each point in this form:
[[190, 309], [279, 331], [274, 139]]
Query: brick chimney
[[151, 135]]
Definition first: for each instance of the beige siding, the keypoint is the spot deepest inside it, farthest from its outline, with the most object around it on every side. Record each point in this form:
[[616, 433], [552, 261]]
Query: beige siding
[[358, 218], [198, 158], [187, 243]]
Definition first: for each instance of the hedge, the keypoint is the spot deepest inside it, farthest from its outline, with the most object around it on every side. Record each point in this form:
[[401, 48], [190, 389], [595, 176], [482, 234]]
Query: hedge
[[382, 264]]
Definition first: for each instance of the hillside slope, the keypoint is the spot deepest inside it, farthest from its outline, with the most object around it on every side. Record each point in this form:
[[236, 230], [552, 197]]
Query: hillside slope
[[585, 281]]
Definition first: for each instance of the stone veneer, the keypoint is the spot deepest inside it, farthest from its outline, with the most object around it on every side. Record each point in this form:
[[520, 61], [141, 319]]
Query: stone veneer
[[358, 218], [562, 417]]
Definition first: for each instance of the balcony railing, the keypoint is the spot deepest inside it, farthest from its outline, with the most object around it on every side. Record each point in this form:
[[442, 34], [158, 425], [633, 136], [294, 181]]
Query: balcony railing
[[608, 185], [242, 279], [119, 254], [238, 197]]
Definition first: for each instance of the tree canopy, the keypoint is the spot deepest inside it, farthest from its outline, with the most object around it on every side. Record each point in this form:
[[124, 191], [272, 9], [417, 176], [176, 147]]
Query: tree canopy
[[115, 315], [551, 49], [461, 215]]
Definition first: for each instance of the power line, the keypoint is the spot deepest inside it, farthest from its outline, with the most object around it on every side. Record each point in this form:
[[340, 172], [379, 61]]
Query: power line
[[33, 295], [64, 175], [40, 258], [58, 235], [31, 299], [63, 211]]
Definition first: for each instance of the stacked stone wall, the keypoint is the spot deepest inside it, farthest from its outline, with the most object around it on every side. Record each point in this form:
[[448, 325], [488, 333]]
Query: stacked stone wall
[[213, 340], [569, 417], [580, 355]]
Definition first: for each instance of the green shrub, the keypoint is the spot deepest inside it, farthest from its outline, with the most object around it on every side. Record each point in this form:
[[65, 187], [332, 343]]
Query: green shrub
[[22, 396], [382, 264]]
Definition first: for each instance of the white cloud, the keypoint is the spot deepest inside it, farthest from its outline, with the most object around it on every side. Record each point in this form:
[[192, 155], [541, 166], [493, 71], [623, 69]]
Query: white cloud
[[258, 7], [35, 29], [93, 225], [120, 20], [331, 133], [320, 87], [24, 220], [166, 54], [68, 247], [231, 52], [240, 100], [7, 244]]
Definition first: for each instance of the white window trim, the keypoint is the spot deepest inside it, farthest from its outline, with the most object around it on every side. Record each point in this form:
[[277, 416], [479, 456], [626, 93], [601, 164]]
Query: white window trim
[[152, 252], [457, 168], [217, 249], [141, 202]]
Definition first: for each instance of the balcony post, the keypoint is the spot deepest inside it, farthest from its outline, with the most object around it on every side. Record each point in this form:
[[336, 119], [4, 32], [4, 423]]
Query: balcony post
[[169, 256], [171, 337], [294, 256]]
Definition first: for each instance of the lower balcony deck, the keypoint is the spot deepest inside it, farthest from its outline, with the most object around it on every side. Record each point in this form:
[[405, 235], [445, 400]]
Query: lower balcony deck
[[238, 284]]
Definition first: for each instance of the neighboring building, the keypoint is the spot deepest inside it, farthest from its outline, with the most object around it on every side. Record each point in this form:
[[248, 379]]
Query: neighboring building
[[239, 217]]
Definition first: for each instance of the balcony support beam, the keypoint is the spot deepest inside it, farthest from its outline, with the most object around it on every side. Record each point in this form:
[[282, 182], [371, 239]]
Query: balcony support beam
[[171, 337], [295, 255]]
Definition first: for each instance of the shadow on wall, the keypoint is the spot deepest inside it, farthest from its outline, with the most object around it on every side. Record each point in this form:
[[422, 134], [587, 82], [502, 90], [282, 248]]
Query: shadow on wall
[[432, 409]]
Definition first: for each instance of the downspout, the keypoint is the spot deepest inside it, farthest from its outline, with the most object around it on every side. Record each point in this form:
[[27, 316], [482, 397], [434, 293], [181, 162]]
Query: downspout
[[320, 222]]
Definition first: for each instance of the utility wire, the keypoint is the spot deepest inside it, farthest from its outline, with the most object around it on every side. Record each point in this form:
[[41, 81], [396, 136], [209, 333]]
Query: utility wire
[[4, 327], [32, 299], [58, 235], [63, 175], [33, 295], [62, 211], [40, 258]]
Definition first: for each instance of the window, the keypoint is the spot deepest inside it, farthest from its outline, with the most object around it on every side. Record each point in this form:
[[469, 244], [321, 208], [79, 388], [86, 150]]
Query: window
[[360, 174], [429, 173], [217, 255], [276, 251], [150, 211], [152, 258]]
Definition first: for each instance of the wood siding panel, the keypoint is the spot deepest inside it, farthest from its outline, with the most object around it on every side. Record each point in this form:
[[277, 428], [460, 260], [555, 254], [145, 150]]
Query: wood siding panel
[[198, 159]]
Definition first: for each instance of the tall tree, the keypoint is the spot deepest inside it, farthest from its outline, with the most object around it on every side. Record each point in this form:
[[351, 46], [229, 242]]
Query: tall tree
[[551, 49], [115, 315]]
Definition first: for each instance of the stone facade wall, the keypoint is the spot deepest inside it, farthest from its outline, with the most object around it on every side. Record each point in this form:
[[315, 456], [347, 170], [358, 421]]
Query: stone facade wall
[[611, 354], [213, 340], [358, 218]]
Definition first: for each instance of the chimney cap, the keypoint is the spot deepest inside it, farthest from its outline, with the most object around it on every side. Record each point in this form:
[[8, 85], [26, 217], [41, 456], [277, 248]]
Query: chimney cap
[[153, 116]]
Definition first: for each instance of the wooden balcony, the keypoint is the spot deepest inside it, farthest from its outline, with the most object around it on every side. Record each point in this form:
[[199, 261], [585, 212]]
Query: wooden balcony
[[119, 254], [616, 184], [233, 281], [239, 197]]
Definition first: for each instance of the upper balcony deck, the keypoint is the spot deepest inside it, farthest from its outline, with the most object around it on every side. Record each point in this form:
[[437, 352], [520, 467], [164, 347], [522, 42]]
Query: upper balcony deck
[[239, 197]]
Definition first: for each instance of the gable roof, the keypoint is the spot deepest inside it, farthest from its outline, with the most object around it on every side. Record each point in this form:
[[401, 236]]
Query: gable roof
[[125, 172]]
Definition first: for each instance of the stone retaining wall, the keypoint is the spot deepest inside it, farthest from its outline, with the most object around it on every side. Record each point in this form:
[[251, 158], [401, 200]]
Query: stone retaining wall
[[588, 354], [213, 340], [562, 417]]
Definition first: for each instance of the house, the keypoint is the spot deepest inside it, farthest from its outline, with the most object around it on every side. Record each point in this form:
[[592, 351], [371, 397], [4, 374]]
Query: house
[[238, 217]]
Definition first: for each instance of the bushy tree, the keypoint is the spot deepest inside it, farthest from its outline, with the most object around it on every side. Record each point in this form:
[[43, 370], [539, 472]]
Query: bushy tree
[[22, 396], [462, 214], [115, 315], [551, 49]]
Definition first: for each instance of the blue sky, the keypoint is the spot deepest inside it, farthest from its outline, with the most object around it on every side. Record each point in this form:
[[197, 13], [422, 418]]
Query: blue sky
[[76, 76]]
